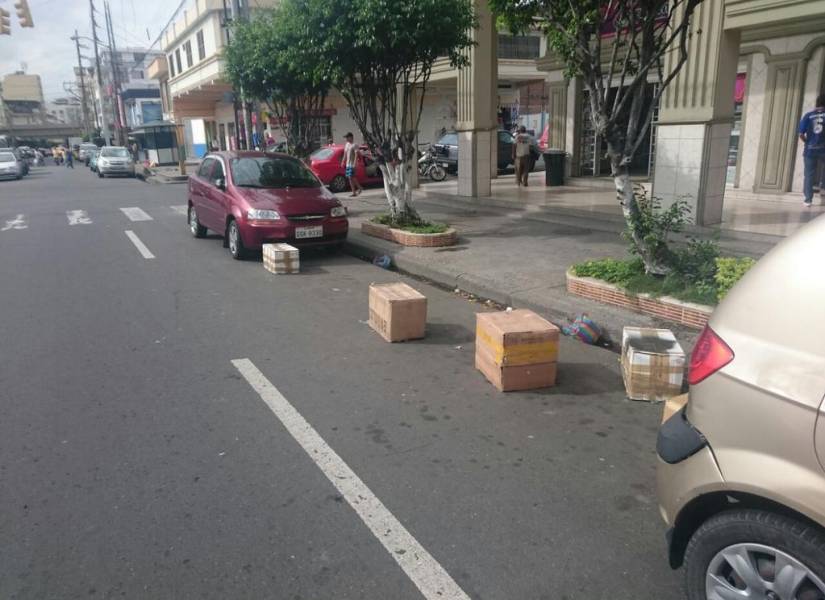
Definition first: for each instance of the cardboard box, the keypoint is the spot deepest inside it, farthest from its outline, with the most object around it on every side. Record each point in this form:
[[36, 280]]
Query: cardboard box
[[653, 364], [673, 405], [281, 259], [397, 311], [516, 350]]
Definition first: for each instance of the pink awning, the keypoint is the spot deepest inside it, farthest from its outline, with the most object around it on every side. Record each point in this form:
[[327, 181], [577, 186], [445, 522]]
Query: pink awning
[[739, 90]]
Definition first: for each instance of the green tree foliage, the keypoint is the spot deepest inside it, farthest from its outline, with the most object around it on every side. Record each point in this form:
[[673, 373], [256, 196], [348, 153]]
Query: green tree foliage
[[275, 58], [614, 46], [381, 54]]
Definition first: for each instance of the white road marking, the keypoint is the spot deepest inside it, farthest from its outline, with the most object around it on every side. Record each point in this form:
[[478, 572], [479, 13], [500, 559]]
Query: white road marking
[[144, 251], [19, 222], [78, 217], [181, 209], [424, 571], [136, 214]]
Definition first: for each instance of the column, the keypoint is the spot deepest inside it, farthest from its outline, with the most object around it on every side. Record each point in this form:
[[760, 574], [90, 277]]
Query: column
[[477, 104], [695, 118]]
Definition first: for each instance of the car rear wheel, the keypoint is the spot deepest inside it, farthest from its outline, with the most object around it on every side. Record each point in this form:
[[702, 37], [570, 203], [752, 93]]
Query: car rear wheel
[[755, 554], [338, 184], [99, 174], [233, 237], [195, 227]]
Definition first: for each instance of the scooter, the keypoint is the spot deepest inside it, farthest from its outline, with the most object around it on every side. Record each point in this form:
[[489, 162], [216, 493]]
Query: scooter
[[428, 166]]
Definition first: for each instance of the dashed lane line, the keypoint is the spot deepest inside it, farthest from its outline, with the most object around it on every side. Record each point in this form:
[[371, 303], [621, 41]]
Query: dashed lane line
[[136, 214], [425, 572], [144, 251]]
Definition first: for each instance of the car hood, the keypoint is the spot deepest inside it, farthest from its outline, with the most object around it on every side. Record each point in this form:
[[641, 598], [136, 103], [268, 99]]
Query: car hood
[[290, 201]]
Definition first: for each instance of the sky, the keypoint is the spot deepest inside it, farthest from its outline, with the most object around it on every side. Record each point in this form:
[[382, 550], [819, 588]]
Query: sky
[[46, 48]]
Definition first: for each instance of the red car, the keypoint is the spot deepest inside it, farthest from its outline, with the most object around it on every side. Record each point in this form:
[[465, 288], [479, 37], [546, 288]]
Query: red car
[[254, 198], [326, 164]]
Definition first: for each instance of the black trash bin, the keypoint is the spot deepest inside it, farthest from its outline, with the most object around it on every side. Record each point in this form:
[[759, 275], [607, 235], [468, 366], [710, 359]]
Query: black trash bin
[[554, 167]]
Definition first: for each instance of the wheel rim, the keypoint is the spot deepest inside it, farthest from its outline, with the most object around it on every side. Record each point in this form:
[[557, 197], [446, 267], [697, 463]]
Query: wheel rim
[[193, 220], [339, 184], [761, 572], [233, 238]]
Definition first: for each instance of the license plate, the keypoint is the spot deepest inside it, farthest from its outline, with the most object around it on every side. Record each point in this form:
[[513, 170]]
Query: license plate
[[302, 233]]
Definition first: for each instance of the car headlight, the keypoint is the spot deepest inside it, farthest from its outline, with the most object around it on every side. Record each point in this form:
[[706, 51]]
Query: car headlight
[[338, 211], [102, 162], [256, 214]]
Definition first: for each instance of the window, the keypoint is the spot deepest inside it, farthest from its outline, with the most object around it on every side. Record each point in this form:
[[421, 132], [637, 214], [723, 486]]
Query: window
[[187, 47], [265, 172], [519, 46], [171, 65], [450, 139], [205, 168], [177, 61], [136, 74], [217, 172], [201, 45]]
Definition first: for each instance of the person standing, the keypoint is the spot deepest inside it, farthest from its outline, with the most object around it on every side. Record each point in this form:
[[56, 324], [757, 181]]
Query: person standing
[[812, 134], [349, 161], [69, 159], [521, 155]]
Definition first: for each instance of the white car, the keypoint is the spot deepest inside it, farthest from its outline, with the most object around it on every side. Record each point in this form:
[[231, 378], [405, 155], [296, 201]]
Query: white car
[[115, 160], [9, 165]]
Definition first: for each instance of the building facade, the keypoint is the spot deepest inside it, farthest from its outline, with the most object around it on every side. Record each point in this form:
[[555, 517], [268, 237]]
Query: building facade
[[22, 102], [138, 100]]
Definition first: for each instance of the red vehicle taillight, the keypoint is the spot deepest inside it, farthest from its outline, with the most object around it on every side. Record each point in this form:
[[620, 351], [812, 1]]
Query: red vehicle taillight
[[710, 354]]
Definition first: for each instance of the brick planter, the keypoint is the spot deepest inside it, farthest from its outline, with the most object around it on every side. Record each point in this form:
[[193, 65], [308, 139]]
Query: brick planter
[[405, 238], [669, 309]]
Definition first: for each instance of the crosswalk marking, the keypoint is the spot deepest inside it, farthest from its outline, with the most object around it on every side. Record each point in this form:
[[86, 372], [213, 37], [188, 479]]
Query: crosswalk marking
[[144, 251], [181, 209], [136, 214], [19, 222], [78, 217]]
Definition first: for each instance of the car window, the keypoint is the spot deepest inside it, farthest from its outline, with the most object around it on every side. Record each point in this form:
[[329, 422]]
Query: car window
[[115, 153], [217, 172], [505, 137], [322, 154], [267, 172], [449, 139], [7, 157], [206, 167]]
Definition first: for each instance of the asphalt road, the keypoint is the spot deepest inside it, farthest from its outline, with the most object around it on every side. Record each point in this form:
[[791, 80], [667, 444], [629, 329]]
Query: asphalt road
[[137, 461]]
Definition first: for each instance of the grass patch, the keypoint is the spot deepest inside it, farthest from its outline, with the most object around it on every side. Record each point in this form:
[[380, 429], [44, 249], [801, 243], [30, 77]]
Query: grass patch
[[412, 226]]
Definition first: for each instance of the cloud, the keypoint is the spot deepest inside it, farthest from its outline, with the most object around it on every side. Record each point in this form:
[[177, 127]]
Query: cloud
[[47, 50]]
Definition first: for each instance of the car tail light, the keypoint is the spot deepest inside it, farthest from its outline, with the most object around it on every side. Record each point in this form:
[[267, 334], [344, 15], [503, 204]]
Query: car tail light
[[710, 354]]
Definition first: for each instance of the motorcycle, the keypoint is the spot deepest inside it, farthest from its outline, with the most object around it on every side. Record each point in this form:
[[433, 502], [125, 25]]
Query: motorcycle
[[428, 166]]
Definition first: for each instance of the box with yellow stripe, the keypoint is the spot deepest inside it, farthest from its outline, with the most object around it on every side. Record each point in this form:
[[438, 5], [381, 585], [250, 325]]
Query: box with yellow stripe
[[516, 350]]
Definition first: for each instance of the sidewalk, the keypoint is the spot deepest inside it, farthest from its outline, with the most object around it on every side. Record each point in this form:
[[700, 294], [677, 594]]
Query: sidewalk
[[517, 255]]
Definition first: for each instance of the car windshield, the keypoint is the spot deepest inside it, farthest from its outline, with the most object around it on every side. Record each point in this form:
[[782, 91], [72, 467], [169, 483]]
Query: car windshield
[[115, 152], [7, 157], [322, 154], [451, 139], [268, 172]]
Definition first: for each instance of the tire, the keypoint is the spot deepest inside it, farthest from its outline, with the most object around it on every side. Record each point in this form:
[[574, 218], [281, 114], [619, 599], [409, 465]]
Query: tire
[[195, 226], [438, 173], [99, 174], [338, 184], [233, 238], [760, 537]]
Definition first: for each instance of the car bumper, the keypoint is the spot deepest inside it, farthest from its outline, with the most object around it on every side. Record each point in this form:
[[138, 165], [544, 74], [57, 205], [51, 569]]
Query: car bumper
[[116, 170], [254, 236], [9, 175]]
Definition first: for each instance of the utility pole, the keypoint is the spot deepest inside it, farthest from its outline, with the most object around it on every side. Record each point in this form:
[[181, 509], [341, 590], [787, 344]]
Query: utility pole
[[121, 140], [104, 126], [76, 39], [239, 13]]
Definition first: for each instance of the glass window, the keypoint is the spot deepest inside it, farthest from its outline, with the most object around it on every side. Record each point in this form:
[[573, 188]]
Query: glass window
[[450, 139], [505, 137], [114, 152], [217, 172], [268, 172], [201, 45], [206, 167], [523, 47], [322, 154], [187, 48], [171, 65], [7, 157], [177, 61]]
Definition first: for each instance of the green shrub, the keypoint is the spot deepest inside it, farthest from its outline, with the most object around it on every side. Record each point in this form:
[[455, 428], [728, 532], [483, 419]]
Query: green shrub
[[413, 226], [729, 271], [654, 226], [614, 271]]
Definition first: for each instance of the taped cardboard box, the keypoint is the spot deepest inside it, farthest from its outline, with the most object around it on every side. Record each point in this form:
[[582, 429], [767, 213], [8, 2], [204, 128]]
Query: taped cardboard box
[[653, 364], [517, 378], [516, 350], [281, 259], [397, 311]]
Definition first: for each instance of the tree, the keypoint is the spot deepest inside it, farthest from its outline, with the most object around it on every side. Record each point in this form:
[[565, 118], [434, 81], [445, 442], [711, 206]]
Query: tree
[[382, 53], [602, 40], [272, 58]]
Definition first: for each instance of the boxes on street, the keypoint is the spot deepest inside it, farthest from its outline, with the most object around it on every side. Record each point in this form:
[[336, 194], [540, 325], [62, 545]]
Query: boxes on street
[[516, 350], [397, 311], [653, 364], [281, 259]]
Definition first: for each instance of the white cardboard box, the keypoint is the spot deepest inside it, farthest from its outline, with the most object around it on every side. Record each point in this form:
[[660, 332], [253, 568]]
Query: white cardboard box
[[281, 259], [653, 364]]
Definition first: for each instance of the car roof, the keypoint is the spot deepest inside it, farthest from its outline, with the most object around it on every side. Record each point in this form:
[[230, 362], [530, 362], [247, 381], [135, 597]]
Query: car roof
[[248, 154]]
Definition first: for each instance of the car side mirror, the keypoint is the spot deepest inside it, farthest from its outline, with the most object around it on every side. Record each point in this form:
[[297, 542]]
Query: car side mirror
[[220, 183]]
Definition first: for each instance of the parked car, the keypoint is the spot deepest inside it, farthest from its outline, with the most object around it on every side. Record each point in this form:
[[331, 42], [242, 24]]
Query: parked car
[[10, 167], [326, 164], [22, 161], [447, 150], [85, 151], [254, 198], [93, 156], [741, 475], [115, 160]]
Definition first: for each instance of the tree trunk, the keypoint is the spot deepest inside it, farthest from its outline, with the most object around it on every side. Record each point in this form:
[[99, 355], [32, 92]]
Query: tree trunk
[[630, 209], [398, 190]]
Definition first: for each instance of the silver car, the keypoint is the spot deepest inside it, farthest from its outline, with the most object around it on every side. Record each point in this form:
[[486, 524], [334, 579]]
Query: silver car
[[115, 160], [9, 165]]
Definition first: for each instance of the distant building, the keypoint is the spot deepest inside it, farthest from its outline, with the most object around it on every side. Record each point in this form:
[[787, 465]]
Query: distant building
[[139, 100], [68, 111], [22, 100]]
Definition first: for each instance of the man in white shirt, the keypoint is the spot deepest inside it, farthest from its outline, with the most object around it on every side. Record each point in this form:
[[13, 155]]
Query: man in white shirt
[[521, 155], [349, 161]]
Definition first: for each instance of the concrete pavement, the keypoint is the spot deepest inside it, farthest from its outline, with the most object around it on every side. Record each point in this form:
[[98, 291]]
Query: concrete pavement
[[136, 461]]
